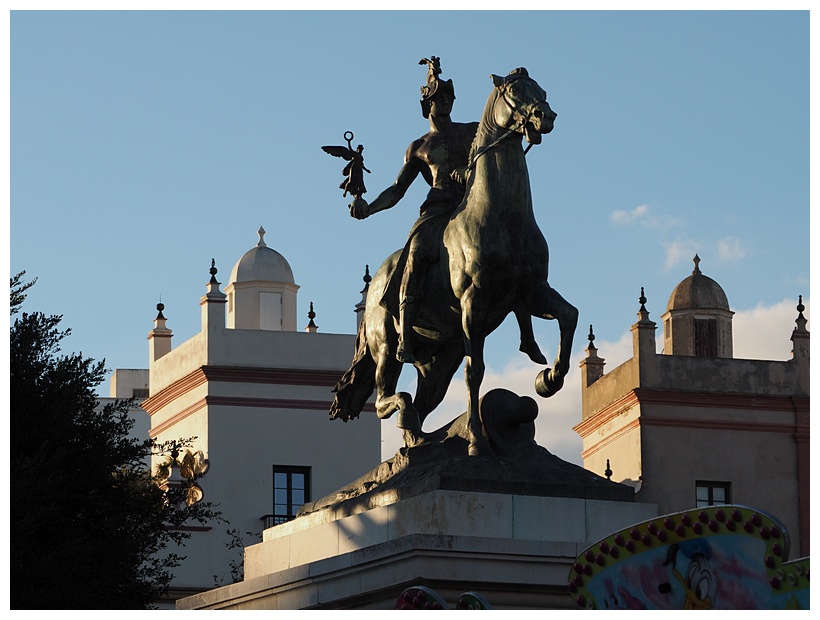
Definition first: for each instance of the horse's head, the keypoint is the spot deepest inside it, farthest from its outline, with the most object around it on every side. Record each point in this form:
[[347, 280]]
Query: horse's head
[[522, 105]]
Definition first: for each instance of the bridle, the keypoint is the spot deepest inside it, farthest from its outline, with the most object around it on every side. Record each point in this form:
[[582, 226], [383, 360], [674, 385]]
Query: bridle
[[523, 119]]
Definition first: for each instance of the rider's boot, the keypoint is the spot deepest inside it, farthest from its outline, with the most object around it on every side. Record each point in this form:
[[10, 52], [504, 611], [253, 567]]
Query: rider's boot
[[533, 351], [407, 314]]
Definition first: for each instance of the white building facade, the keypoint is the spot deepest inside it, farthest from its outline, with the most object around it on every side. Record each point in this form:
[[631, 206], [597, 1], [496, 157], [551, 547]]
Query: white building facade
[[695, 426], [255, 394]]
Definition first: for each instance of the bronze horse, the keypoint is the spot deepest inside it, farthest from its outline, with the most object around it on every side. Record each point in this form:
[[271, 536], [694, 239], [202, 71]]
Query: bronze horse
[[493, 261]]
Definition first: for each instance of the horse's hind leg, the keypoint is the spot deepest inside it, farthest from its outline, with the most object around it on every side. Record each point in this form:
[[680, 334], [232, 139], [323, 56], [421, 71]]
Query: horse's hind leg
[[434, 377], [545, 302]]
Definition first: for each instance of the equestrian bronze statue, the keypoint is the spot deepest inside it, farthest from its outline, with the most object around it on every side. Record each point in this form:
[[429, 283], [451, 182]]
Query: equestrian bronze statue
[[479, 256]]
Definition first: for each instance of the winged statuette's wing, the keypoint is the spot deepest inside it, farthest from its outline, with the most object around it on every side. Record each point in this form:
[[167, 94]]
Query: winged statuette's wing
[[339, 151]]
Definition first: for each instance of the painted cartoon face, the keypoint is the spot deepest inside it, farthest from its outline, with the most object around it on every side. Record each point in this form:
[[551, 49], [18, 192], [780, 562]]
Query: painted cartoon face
[[700, 579]]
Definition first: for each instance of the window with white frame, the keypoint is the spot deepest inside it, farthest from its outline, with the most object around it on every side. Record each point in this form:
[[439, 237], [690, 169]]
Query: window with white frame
[[291, 489], [712, 493]]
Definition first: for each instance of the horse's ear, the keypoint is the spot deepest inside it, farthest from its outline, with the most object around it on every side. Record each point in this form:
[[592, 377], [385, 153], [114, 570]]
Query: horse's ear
[[497, 80]]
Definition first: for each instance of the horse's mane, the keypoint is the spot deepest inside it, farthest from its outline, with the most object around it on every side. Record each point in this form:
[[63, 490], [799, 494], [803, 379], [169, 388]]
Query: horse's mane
[[485, 125]]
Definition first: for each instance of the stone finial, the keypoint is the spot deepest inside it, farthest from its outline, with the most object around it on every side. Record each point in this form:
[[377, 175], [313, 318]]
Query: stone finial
[[643, 333], [213, 294], [592, 366], [359, 308], [159, 338], [608, 471], [366, 279], [643, 313], [213, 270], [311, 326], [696, 260], [261, 243], [592, 351], [800, 320]]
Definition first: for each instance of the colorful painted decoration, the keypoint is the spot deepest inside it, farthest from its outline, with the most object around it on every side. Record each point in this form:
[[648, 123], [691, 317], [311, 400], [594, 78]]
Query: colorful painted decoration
[[472, 600], [420, 597], [719, 557]]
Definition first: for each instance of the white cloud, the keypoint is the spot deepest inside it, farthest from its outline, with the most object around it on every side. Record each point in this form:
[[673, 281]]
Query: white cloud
[[730, 249], [680, 250], [620, 216], [764, 332], [644, 215]]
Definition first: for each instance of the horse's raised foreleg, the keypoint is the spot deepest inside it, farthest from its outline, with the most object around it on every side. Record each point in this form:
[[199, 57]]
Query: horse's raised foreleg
[[473, 320], [545, 302], [388, 401]]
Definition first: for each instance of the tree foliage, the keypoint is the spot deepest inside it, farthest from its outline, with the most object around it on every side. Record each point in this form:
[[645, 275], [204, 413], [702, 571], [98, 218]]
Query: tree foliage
[[90, 527]]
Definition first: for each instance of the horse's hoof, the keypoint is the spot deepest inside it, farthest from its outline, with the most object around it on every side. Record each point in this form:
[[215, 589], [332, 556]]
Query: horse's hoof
[[479, 448], [383, 414], [413, 438], [547, 383], [408, 421]]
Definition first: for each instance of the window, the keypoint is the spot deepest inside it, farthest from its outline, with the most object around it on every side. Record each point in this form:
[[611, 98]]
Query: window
[[291, 489], [706, 339], [270, 311], [712, 493]]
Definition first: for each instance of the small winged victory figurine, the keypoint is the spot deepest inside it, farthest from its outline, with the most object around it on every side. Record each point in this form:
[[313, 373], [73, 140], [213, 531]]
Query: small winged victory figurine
[[354, 183]]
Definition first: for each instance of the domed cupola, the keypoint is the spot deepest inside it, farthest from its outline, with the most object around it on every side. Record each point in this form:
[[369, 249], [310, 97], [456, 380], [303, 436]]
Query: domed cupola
[[698, 321], [261, 291]]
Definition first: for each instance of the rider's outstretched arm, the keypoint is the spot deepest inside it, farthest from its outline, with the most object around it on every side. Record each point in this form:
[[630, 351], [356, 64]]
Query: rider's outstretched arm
[[360, 209]]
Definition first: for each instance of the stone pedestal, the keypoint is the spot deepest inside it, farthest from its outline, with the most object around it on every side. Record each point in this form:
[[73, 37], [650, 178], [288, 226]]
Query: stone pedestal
[[507, 525], [516, 550]]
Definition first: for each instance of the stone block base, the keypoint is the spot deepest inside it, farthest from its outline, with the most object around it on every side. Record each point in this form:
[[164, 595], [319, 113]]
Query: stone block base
[[515, 550]]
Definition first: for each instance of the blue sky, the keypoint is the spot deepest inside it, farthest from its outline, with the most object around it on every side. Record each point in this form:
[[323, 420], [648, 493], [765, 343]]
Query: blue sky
[[143, 144]]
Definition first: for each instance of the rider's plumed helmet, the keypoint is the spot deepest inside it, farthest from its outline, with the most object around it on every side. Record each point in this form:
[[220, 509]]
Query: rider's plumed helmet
[[434, 85]]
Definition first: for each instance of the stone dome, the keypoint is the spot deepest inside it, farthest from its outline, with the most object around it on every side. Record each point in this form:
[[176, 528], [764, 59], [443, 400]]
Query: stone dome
[[262, 264], [698, 291]]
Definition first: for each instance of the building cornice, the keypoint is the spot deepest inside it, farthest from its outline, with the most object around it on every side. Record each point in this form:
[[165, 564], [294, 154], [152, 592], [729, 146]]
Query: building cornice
[[797, 405], [715, 400], [223, 374], [176, 418], [613, 410], [241, 401], [168, 394], [311, 378], [604, 442]]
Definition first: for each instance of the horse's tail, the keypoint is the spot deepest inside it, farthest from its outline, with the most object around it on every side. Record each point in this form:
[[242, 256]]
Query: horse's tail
[[357, 384]]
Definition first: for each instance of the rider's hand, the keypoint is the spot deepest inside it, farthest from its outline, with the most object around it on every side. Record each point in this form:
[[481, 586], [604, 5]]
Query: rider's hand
[[459, 175], [359, 208]]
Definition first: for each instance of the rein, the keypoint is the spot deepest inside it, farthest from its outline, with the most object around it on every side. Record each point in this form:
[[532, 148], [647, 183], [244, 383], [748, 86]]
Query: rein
[[509, 131], [489, 147]]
